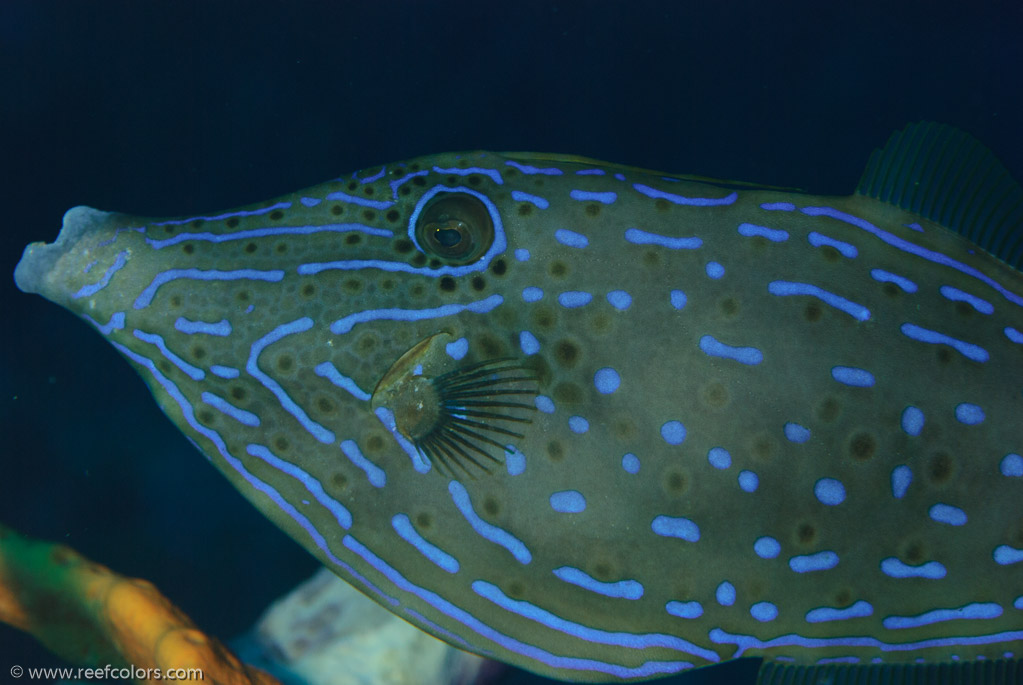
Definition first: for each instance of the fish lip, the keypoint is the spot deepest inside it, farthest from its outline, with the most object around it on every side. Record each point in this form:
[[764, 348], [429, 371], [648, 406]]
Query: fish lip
[[38, 261]]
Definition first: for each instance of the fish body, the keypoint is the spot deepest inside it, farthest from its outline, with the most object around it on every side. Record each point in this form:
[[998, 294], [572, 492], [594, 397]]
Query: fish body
[[599, 422]]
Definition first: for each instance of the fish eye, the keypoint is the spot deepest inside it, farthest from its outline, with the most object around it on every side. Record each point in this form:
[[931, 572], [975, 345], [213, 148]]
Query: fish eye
[[456, 227]]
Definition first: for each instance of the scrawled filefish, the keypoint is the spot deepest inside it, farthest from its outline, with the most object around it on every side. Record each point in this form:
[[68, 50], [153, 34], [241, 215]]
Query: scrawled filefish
[[605, 423]]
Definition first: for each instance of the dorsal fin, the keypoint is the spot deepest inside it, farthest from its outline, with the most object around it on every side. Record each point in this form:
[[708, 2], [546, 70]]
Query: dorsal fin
[[949, 177]]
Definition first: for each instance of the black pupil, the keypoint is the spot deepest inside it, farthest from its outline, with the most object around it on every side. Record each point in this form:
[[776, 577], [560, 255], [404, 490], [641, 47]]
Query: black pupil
[[448, 237]]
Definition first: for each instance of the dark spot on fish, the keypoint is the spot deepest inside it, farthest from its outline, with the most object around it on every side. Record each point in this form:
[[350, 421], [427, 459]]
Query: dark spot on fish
[[447, 283], [393, 215], [944, 355], [352, 286], [499, 267], [285, 363], [1014, 533], [843, 597], [474, 180], [680, 587], [188, 248], [674, 482], [763, 446], [602, 571], [435, 263], [232, 222], [914, 552], [651, 258], [367, 343], [336, 210], [375, 443], [601, 323], [175, 301], [567, 393], [891, 290], [862, 446], [516, 589], [206, 416], [828, 409], [419, 180], [165, 366], [325, 405], [940, 468], [403, 245], [812, 312], [417, 290], [414, 167], [451, 180], [592, 210], [368, 190], [525, 209], [424, 519], [369, 215], [555, 451], [538, 181], [543, 317], [964, 309], [662, 205], [339, 481], [276, 215], [353, 239], [806, 533], [558, 269], [281, 248], [489, 345], [830, 253], [624, 429], [478, 283], [566, 353], [308, 290], [714, 394], [729, 306], [251, 247], [491, 506], [387, 284], [281, 443], [352, 185], [419, 259], [243, 295], [758, 242], [198, 352], [538, 367], [462, 163]]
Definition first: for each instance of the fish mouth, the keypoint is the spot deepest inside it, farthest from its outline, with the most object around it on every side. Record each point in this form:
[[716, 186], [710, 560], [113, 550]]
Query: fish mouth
[[456, 414], [38, 268]]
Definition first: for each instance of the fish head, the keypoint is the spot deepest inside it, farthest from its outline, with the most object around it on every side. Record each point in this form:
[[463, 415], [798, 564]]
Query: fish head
[[395, 344]]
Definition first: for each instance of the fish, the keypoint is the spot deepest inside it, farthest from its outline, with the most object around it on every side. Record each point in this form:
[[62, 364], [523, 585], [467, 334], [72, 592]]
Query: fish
[[605, 423]]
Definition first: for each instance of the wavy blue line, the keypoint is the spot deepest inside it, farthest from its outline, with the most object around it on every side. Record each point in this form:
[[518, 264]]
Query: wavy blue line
[[786, 288], [489, 531], [648, 669], [289, 405], [403, 527]]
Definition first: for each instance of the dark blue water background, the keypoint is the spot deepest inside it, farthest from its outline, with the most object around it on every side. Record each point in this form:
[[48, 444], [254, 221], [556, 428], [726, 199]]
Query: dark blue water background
[[180, 107]]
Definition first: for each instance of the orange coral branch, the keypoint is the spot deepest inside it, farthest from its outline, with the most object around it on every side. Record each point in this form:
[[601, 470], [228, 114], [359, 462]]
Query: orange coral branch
[[89, 615]]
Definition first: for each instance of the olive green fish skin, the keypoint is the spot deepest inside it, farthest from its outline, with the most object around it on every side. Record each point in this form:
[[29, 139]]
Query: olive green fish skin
[[758, 426]]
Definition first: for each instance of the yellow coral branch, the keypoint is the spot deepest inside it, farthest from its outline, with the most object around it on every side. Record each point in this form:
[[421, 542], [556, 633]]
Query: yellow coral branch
[[90, 616]]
